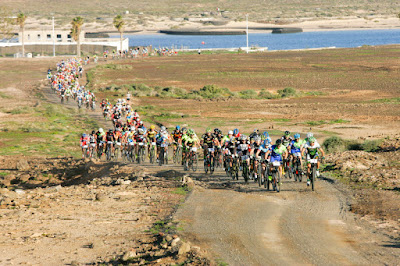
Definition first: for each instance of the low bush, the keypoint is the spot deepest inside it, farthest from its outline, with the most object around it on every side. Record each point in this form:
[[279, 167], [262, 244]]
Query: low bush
[[248, 94], [287, 92], [334, 144], [264, 94]]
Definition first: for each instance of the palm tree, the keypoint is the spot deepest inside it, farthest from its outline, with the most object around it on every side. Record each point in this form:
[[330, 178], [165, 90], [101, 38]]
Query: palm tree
[[21, 17], [119, 24], [76, 32]]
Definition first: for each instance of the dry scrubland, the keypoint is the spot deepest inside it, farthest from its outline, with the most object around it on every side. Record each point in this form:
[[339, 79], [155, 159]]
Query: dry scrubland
[[350, 93], [260, 10]]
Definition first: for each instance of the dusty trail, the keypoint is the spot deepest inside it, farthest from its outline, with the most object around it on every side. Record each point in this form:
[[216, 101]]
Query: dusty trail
[[246, 225], [250, 226]]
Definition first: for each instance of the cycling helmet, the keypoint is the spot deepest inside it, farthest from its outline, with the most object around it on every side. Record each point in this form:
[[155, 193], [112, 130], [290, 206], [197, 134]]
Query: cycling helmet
[[278, 142], [184, 129], [311, 140], [178, 127], [216, 130], [287, 133], [152, 127], [255, 130], [83, 135], [163, 128], [296, 136], [230, 132], [190, 131], [141, 123], [101, 130], [208, 130], [141, 131], [93, 132], [309, 135], [110, 130], [266, 134], [236, 131]]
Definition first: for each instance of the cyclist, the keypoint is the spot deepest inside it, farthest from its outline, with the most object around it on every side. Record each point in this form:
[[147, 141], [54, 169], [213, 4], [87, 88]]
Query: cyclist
[[295, 149], [177, 137], [262, 153], [236, 133], [277, 152], [309, 135], [208, 141], [140, 140], [254, 134], [189, 141], [84, 143], [286, 140], [93, 141], [110, 141], [218, 152], [312, 148], [230, 147], [151, 137], [255, 147], [100, 137]]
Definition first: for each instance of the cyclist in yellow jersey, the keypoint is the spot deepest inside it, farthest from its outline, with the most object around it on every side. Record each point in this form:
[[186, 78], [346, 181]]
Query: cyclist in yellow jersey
[[151, 137]]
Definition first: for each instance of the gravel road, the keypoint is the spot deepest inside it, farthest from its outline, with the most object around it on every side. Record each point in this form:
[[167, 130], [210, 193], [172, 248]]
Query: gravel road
[[247, 225]]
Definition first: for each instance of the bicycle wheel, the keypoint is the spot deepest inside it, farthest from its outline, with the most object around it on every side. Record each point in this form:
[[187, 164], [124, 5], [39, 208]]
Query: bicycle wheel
[[274, 179], [179, 155], [152, 155], [142, 154], [194, 162], [278, 182], [259, 174], [266, 178], [108, 154], [161, 157], [313, 174], [166, 155], [116, 153], [206, 165], [246, 173]]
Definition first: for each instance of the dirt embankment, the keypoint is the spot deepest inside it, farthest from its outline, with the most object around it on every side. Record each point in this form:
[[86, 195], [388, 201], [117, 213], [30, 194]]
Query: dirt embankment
[[67, 211]]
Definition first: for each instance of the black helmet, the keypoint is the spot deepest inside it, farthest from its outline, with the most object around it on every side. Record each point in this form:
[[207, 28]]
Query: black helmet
[[278, 142], [287, 133], [216, 130], [93, 132], [110, 130]]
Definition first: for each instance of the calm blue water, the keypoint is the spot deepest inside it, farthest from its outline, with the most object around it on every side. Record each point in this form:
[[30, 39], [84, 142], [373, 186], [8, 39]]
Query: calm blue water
[[272, 41]]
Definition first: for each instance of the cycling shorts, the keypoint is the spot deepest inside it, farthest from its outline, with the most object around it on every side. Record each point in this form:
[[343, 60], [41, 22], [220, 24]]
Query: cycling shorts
[[276, 159]]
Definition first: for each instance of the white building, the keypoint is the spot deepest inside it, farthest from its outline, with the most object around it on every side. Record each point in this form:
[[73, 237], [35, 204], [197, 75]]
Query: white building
[[46, 36]]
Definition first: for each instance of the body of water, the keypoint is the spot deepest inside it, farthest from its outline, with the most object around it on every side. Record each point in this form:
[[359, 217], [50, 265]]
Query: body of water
[[290, 41]]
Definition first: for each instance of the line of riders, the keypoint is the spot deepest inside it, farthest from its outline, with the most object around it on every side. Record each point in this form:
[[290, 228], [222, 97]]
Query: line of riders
[[65, 82], [254, 155]]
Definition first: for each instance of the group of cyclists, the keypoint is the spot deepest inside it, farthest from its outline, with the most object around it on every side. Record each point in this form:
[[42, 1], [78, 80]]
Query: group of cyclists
[[255, 155], [65, 82]]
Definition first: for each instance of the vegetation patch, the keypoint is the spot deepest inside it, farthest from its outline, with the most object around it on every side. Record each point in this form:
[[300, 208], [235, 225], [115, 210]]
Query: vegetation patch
[[337, 144]]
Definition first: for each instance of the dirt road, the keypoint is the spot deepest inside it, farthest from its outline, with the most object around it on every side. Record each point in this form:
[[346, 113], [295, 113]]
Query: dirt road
[[246, 225]]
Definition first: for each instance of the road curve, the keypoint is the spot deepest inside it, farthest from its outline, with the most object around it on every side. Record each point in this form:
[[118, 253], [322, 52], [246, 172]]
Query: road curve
[[250, 226]]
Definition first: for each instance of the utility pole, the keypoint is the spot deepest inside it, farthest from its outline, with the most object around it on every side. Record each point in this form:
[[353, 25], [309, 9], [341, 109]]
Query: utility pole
[[54, 40], [247, 33]]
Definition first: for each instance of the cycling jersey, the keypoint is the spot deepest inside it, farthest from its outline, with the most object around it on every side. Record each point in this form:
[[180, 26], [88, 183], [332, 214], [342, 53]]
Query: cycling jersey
[[286, 141], [176, 134], [151, 134], [208, 140], [312, 150], [295, 146], [276, 153]]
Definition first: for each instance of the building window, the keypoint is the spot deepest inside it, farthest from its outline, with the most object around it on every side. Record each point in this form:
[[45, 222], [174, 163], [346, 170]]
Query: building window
[[69, 38], [29, 37], [38, 37], [48, 36], [59, 38]]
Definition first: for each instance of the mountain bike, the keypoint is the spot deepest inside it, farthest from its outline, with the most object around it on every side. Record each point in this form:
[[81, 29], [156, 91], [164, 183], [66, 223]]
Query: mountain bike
[[140, 152], [62, 98], [117, 151], [85, 151], [130, 152], [260, 171], [276, 177], [297, 170], [177, 158], [79, 103], [192, 159], [209, 161], [286, 167], [313, 171], [92, 150], [108, 151], [245, 168], [163, 156], [152, 154], [235, 167]]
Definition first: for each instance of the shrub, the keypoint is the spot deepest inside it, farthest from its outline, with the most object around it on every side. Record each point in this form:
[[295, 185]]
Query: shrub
[[334, 144], [372, 145], [264, 94], [287, 92], [213, 91], [248, 94]]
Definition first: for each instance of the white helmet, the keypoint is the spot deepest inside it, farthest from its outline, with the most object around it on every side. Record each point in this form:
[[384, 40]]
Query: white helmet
[[101, 130], [230, 132], [141, 131], [309, 135]]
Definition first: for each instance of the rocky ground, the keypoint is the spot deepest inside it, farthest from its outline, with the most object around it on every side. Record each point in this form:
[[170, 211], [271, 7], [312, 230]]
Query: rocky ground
[[67, 211]]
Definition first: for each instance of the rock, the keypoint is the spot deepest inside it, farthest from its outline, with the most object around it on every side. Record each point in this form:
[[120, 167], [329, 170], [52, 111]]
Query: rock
[[128, 255], [175, 242], [168, 238], [20, 192], [185, 248], [22, 165], [54, 188], [100, 197], [74, 263]]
